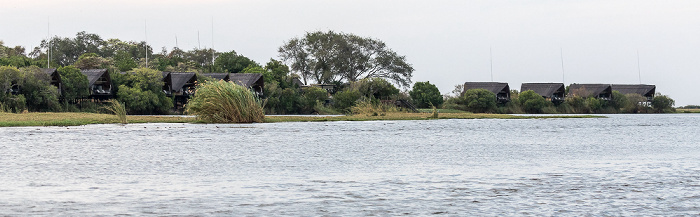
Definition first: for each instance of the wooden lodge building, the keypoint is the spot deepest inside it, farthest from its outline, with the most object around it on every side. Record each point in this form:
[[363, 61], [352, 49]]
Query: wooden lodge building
[[502, 90], [100, 83], [55, 79], [554, 92], [179, 85], [645, 90], [599, 91], [254, 81]]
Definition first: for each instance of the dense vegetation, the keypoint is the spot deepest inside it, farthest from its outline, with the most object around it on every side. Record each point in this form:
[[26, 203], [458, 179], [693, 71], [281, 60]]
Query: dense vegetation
[[357, 74]]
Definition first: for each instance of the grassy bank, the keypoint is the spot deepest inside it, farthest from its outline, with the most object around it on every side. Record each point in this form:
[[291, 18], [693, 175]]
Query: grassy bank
[[77, 119], [688, 110]]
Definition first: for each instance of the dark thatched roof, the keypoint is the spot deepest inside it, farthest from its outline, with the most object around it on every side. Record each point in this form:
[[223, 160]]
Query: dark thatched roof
[[180, 79], [94, 74], [165, 74], [641, 89], [217, 76], [544, 89], [49, 71], [590, 89], [247, 79], [494, 87]]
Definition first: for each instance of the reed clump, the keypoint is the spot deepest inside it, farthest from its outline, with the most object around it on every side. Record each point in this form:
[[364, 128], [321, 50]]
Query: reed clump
[[369, 108], [118, 109], [225, 102]]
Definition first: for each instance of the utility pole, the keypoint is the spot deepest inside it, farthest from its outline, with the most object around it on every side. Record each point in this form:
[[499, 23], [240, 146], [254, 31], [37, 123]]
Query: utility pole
[[491, 61], [561, 55], [639, 69]]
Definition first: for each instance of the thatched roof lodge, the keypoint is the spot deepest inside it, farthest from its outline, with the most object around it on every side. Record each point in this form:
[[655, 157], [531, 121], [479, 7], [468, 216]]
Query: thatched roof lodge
[[180, 83], [254, 81], [645, 90], [502, 90], [100, 82], [55, 78], [554, 92], [218, 76], [600, 91]]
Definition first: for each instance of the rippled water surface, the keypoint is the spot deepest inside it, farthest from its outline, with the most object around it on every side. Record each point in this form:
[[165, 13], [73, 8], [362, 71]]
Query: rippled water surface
[[621, 165]]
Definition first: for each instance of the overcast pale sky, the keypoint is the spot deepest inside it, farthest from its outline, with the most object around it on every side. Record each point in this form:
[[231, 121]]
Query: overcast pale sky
[[447, 42]]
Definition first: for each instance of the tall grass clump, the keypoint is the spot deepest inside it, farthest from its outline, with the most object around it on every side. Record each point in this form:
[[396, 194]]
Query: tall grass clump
[[369, 108], [118, 109], [225, 102]]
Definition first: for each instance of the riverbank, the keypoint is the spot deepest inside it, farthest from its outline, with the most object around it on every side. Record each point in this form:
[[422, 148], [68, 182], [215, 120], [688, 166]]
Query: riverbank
[[77, 119]]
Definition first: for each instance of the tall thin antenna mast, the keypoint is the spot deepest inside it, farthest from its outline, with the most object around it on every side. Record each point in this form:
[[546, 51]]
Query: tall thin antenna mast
[[561, 54], [639, 69], [48, 47], [176, 41], [491, 61], [199, 45], [212, 42], [145, 46]]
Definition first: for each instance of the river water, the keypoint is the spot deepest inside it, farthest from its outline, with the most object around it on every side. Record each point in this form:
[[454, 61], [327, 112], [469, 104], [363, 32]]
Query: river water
[[622, 165]]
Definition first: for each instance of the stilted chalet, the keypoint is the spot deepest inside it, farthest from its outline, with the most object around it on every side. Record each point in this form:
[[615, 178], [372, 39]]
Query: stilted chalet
[[600, 91], [55, 79], [179, 85], [502, 90], [218, 76], [254, 81], [551, 91], [100, 83], [645, 90]]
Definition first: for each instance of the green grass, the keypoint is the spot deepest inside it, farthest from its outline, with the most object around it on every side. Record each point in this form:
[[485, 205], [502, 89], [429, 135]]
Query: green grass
[[442, 111], [77, 119], [225, 102], [687, 110]]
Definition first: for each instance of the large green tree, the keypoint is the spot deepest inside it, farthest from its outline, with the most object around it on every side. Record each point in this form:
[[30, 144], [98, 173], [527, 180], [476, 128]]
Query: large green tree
[[532, 102], [425, 94], [232, 62], [40, 95], [479, 100], [329, 57], [141, 92], [75, 83]]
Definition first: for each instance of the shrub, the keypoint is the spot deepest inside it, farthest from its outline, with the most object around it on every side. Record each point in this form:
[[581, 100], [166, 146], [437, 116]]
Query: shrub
[[343, 100], [118, 109], [425, 94], [479, 100], [662, 104], [532, 102], [226, 102]]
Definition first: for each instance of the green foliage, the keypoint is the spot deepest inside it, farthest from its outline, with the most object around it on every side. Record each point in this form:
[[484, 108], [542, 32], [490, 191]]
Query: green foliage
[[124, 61], [425, 94], [40, 95], [12, 103], [532, 102], [226, 102], [312, 96], [75, 83], [479, 100], [118, 109], [278, 70], [92, 61], [633, 103], [343, 100], [232, 62], [141, 91], [374, 88], [662, 104], [329, 57], [577, 104], [9, 77]]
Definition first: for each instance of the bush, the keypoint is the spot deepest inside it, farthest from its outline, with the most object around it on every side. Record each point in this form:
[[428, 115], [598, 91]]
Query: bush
[[312, 96], [343, 100], [141, 92], [662, 104], [532, 102], [75, 83], [40, 95], [226, 102], [376, 88], [425, 95], [479, 100]]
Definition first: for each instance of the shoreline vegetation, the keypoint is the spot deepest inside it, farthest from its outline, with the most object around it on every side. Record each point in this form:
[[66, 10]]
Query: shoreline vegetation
[[78, 119]]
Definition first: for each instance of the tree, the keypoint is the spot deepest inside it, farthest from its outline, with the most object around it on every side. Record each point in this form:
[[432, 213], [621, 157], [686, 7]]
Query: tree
[[91, 61], [635, 103], [75, 83], [532, 102], [374, 88], [9, 76], [40, 95], [479, 100], [425, 94], [662, 103], [328, 57], [232, 62], [124, 61], [66, 51], [141, 92]]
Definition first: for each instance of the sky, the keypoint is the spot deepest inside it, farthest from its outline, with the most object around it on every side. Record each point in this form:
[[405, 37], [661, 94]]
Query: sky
[[447, 42]]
